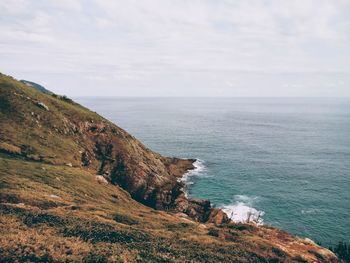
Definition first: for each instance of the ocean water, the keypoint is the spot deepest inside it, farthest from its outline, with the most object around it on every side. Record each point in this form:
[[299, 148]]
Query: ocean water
[[282, 162]]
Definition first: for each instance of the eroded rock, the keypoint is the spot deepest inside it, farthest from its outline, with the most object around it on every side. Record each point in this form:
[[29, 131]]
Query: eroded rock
[[101, 180], [197, 209], [218, 217], [42, 105]]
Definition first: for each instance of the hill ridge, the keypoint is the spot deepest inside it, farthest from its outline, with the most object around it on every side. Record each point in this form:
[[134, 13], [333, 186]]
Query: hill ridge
[[61, 163]]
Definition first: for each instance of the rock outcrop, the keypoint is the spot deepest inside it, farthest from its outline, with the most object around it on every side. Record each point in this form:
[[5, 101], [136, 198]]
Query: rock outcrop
[[86, 173], [53, 129]]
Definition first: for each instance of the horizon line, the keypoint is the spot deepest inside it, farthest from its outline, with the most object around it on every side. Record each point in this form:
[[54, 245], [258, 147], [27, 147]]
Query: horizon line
[[216, 97]]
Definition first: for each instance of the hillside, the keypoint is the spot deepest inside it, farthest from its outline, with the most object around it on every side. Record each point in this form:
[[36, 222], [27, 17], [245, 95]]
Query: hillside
[[36, 86], [76, 187]]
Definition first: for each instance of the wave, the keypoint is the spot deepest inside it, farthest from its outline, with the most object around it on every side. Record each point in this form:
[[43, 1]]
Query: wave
[[199, 169], [310, 211], [243, 211]]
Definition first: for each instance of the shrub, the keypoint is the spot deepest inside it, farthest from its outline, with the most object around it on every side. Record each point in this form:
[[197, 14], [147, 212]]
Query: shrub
[[342, 250], [125, 219]]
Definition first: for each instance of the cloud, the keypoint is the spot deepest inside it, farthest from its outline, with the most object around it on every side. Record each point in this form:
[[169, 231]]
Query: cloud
[[139, 43], [71, 5]]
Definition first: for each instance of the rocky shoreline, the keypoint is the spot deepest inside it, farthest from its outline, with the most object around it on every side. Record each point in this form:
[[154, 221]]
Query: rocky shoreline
[[198, 209], [73, 178], [93, 143], [168, 195]]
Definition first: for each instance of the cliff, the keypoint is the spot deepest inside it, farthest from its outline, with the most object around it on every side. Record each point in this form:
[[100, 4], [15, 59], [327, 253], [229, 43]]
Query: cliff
[[69, 173], [55, 130]]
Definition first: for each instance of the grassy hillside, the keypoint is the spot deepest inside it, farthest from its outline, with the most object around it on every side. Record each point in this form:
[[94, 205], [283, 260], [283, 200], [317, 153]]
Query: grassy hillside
[[55, 130], [72, 189], [36, 86], [59, 213]]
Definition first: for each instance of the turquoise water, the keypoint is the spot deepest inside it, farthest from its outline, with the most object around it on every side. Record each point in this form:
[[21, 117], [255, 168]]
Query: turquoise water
[[287, 159]]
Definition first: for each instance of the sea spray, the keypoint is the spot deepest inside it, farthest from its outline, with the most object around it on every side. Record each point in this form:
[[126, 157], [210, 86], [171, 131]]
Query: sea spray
[[242, 210], [199, 168], [293, 152]]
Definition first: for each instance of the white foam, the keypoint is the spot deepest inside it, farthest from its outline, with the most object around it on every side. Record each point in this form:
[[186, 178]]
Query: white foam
[[310, 211], [199, 168], [242, 210]]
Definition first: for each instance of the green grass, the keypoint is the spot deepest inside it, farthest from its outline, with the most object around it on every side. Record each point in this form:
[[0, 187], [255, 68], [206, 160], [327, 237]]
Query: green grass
[[48, 134], [59, 213], [51, 212]]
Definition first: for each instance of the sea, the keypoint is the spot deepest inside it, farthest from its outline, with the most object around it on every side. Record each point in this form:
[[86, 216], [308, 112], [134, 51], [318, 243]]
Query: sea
[[283, 162]]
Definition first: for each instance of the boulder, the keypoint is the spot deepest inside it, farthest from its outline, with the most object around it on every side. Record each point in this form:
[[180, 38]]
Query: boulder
[[218, 217], [197, 209], [101, 180], [42, 105], [85, 159]]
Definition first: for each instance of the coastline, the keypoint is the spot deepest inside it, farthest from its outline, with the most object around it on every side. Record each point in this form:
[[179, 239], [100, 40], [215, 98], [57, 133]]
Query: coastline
[[200, 210], [241, 209], [198, 167], [101, 200]]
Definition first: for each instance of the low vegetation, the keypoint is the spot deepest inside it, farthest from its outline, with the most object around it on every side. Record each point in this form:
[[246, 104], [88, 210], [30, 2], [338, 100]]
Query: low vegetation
[[58, 213], [342, 250], [53, 209]]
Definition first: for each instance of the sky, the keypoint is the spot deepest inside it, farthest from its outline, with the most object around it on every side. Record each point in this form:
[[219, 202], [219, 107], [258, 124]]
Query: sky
[[239, 48]]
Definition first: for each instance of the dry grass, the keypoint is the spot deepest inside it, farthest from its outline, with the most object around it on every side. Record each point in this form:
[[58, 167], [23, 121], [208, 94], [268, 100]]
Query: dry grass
[[9, 148], [58, 213], [50, 212], [37, 244]]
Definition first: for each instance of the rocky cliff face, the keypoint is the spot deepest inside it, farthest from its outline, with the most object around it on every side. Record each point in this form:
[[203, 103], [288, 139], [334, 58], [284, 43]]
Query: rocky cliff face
[[69, 180], [53, 129]]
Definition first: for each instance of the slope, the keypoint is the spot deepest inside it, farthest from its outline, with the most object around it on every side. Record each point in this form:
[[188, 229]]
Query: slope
[[75, 187]]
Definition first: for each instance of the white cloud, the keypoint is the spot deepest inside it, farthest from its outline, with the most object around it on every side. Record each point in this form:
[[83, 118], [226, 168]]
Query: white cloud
[[72, 5], [12, 7], [140, 43]]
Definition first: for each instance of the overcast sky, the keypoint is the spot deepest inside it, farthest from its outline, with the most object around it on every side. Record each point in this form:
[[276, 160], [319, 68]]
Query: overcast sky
[[179, 47]]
